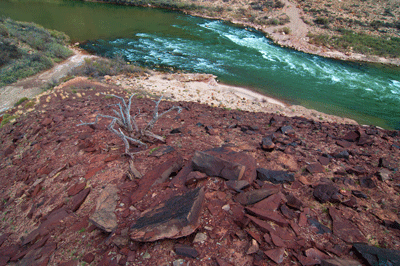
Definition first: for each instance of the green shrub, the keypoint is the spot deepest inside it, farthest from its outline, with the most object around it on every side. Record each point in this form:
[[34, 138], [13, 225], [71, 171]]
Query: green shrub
[[100, 67], [27, 48], [322, 21], [30, 104], [20, 101], [359, 43], [6, 119], [4, 31]]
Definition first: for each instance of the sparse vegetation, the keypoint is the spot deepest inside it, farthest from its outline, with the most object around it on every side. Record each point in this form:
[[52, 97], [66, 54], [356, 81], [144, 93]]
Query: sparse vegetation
[[20, 101], [100, 67], [6, 119], [349, 41], [27, 48]]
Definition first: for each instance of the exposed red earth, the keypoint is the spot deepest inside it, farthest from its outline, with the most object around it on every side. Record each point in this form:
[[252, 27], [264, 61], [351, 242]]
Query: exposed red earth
[[226, 187]]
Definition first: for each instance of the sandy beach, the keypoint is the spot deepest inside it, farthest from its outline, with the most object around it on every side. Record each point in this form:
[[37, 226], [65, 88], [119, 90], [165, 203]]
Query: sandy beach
[[204, 88]]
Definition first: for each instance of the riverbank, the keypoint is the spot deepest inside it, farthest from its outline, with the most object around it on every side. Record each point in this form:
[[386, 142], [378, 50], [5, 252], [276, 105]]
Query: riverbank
[[314, 28], [204, 89], [296, 35]]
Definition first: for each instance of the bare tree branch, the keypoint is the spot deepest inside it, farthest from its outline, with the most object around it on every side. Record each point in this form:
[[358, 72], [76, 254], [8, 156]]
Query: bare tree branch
[[127, 123]]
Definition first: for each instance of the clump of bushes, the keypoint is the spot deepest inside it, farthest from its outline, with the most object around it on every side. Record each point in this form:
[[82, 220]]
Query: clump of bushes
[[27, 48], [348, 40], [322, 21], [99, 67], [6, 119], [20, 101]]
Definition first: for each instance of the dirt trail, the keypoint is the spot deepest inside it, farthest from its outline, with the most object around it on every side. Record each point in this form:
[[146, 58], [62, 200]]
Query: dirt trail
[[299, 29], [34, 85]]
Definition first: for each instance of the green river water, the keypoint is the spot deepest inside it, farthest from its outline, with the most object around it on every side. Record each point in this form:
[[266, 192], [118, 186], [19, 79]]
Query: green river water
[[370, 94]]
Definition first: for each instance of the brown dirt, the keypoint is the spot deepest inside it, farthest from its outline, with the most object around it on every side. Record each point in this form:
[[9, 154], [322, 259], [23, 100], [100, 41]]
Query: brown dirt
[[44, 154]]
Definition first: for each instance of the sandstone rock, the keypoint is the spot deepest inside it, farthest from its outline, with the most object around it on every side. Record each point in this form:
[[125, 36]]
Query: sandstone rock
[[254, 196], [75, 189], [276, 177], [277, 240], [327, 193], [367, 182], [237, 185], [104, 216], [156, 176], [200, 238], [307, 261], [288, 213], [263, 225], [276, 254], [177, 217], [316, 254], [38, 256], [342, 155], [320, 228], [352, 136], [253, 248], [194, 177], [267, 143], [78, 199], [187, 251], [377, 256], [241, 158], [268, 215], [359, 194], [294, 202], [344, 228], [270, 203], [3, 238], [287, 130], [214, 166], [352, 202], [324, 160], [387, 163], [315, 168], [344, 144], [384, 174], [357, 170], [340, 262], [221, 262]]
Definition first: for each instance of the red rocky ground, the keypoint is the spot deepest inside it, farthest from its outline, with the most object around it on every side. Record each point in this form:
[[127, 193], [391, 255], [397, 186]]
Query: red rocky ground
[[67, 197]]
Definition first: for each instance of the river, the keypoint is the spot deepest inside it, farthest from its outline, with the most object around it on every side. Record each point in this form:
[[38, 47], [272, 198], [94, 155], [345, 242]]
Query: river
[[369, 94]]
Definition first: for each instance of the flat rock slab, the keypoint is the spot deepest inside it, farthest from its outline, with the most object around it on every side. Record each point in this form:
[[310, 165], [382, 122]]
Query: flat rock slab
[[254, 196], [340, 262], [214, 166], [186, 251], [177, 217], [345, 229], [276, 177], [378, 256], [276, 254], [327, 192], [78, 199], [104, 216], [241, 158], [156, 176], [268, 216]]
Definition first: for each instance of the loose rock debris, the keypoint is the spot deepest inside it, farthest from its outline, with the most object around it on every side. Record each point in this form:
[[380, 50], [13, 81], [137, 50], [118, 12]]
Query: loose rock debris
[[221, 197]]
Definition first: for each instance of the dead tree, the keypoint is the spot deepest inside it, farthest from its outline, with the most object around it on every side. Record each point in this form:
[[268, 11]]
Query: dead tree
[[128, 129]]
